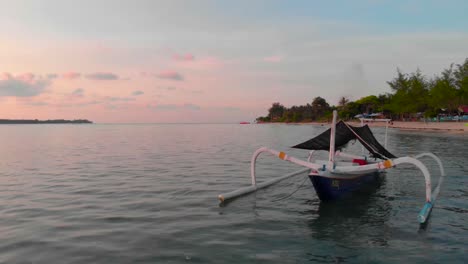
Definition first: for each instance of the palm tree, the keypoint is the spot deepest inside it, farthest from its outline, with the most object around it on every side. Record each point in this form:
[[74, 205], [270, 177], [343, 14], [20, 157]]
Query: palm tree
[[343, 102]]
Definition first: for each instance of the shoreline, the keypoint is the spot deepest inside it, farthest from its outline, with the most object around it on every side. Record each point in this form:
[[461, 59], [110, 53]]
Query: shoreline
[[440, 127], [40, 122]]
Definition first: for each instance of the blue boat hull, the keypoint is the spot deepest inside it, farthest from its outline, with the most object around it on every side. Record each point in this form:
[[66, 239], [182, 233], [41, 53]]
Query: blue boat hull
[[335, 188]]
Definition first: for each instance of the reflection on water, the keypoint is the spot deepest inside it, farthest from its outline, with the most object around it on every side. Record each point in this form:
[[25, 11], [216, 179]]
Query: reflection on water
[[341, 220]]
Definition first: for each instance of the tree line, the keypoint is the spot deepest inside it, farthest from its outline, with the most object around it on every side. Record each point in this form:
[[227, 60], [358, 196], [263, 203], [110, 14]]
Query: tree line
[[412, 95]]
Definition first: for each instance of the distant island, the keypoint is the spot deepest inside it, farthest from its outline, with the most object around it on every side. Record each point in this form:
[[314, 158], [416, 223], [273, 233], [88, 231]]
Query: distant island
[[36, 121]]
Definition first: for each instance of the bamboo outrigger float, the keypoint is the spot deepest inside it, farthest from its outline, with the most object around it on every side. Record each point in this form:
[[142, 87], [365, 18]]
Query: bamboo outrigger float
[[342, 174]]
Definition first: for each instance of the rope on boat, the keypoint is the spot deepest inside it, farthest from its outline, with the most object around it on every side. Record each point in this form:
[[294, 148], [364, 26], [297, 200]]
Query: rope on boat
[[289, 195], [256, 186], [252, 188], [363, 141]]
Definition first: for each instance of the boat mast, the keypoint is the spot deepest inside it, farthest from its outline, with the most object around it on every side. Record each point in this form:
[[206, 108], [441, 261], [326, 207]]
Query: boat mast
[[331, 156], [362, 146], [386, 132]]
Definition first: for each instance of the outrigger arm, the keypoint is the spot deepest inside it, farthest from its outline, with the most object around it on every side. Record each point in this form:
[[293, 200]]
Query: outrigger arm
[[343, 170]]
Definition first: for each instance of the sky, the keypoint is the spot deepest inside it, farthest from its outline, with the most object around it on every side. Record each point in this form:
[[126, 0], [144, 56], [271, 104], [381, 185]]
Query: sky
[[113, 61]]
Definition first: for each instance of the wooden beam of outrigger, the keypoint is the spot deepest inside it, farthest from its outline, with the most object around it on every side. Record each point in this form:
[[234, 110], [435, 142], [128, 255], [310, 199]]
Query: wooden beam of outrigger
[[324, 172]]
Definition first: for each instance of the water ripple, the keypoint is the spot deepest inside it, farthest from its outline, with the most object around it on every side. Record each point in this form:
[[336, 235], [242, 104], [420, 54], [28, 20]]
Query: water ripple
[[147, 193]]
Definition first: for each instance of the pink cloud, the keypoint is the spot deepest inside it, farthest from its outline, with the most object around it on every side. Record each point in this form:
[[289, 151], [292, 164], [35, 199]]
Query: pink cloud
[[170, 75], [102, 76], [137, 93], [26, 77], [78, 92], [52, 76], [173, 107], [71, 75], [275, 58], [204, 63], [24, 85], [183, 57], [6, 76], [211, 62]]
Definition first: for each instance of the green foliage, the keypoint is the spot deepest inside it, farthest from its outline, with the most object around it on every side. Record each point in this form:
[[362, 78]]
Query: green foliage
[[410, 94], [319, 107], [261, 119], [318, 110], [444, 93], [461, 81], [276, 112], [343, 102]]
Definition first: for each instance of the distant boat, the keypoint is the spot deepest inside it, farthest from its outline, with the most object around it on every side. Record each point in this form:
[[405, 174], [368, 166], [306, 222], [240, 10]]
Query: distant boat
[[244, 123]]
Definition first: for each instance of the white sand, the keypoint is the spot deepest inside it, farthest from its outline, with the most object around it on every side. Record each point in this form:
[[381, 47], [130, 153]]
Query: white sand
[[460, 127]]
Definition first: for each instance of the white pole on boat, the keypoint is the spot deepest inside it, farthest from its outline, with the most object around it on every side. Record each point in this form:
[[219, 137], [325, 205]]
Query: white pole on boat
[[331, 155], [362, 124], [256, 186], [424, 214], [427, 208], [386, 132], [252, 188], [436, 191]]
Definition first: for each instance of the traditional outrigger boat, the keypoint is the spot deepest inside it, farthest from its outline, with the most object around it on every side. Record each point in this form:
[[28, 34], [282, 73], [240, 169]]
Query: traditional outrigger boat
[[343, 174]]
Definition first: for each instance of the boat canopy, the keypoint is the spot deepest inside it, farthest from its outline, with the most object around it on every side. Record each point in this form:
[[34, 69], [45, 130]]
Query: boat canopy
[[345, 133]]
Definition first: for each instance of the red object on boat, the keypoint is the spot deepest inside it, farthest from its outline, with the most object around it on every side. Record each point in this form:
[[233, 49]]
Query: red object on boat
[[360, 162], [244, 123]]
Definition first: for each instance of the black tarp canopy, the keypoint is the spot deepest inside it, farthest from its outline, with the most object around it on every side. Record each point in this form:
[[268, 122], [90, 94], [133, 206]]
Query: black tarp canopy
[[345, 133]]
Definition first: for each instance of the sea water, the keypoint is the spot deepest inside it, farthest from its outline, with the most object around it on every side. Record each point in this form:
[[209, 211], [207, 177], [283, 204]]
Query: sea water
[[147, 193]]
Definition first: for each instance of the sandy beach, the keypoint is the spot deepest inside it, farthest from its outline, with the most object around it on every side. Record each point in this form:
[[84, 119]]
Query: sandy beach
[[452, 127], [443, 127]]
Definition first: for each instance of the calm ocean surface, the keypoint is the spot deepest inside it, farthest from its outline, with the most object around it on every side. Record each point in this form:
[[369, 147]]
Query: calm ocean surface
[[148, 194]]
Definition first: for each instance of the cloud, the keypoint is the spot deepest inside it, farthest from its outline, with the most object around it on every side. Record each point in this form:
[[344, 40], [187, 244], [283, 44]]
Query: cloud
[[83, 104], [230, 109], [78, 92], [38, 103], [275, 58], [118, 99], [113, 107], [173, 107], [169, 88], [71, 75], [170, 75], [52, 76], [183, 57], [136, 93], [25, 85], [80, 104], [196, 92], [191, 106], [206, 63], [163, 107], [102, 76], [91, 103]]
